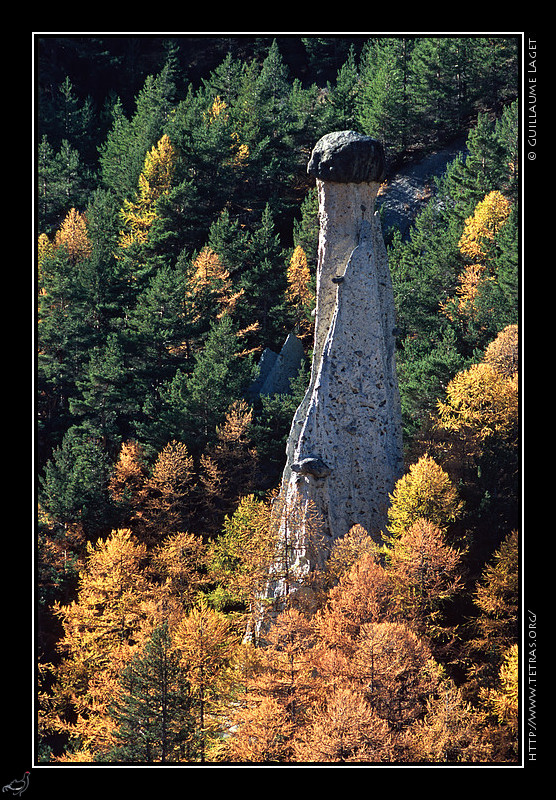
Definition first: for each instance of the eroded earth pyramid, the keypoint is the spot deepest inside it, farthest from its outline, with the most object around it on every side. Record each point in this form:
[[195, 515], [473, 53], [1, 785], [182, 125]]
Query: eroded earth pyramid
[[344, 452]]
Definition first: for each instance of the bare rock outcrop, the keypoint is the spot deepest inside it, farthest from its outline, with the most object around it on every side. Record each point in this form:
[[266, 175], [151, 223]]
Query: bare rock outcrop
[[344, 452]]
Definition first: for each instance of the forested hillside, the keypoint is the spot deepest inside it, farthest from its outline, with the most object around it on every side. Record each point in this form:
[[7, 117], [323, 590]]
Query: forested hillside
[[177, 236]]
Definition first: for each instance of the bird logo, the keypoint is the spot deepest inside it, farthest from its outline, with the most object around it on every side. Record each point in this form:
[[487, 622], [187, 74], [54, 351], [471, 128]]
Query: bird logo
[[17, 787]]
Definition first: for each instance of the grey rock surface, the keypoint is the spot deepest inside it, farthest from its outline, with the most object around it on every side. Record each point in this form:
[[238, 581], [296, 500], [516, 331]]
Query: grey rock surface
[[344, 452], [276, 370], [347, 157]]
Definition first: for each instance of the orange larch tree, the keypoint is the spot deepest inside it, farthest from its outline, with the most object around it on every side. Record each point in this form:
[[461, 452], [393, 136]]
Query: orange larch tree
[[101, 628]]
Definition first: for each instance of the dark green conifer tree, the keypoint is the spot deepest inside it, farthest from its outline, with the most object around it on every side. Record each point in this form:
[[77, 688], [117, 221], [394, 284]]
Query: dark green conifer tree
[[383, 103], [263, 278], [193, 403], [155, 724], [470, 177], [73, 487], [122, 155], [64, 339], [342, 96], [63, 182], [106, 400]]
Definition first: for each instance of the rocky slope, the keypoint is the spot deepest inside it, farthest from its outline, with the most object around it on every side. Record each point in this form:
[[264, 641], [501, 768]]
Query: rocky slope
[[403, 195]]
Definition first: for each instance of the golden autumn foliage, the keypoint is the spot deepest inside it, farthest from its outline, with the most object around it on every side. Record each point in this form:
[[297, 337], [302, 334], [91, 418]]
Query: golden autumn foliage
[[451, 732], [138, 215], [179, 564], [129, 473], [347, 550], [482, 402], [495, 628], [481, 228], [478, 237], [100, 630], [503, 352], [361, 596], [425, 491], [210, 286], [71, 236], [504, 699], [299, 292], [207, 647], [45, 248], [345, 730], [262, 733], [216, 110], [164, 501], [497, 593], [424, 574], [470, 282], [240, 152], [193, 612], [241, 555]]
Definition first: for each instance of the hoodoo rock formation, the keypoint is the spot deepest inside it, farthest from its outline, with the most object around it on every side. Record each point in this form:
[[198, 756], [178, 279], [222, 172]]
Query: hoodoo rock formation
[[344, 452]]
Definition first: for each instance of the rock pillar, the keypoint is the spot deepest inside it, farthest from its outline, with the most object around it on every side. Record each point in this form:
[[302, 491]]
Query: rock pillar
[[344, 452]]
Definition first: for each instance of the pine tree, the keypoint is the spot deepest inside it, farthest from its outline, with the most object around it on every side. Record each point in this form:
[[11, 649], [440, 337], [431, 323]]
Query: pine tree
[[306, 229], [122, 155], [229, 241], [342, 95], [438, 85], [383, 107], [139, 214], [104, 286], [62, 182], [264, 282], [219, 378], [153, 713], [228, 468], [104, 402], [64, 339], [485, 168], [158, 331], [65, 117], [74, 486]]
